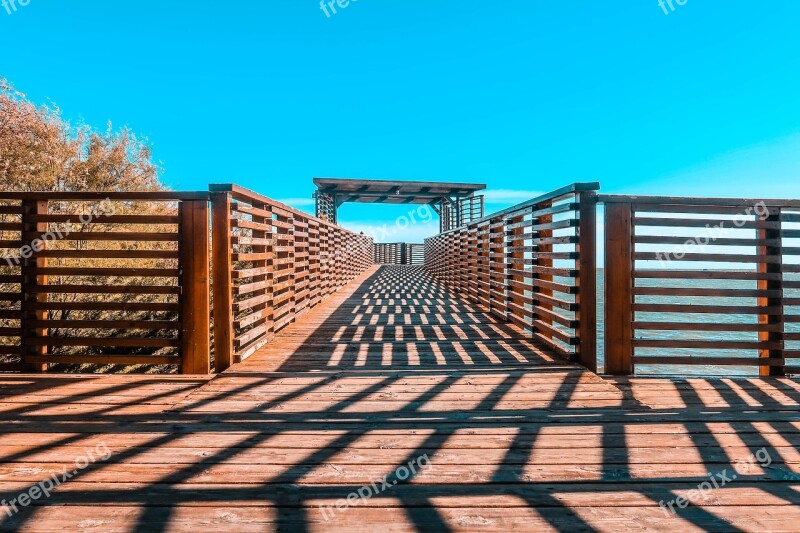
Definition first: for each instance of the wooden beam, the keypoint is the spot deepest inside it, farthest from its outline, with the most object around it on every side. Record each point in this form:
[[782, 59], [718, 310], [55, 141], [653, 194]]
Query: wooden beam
[[774, 284], [33, 279], [587, 280], [222, 266], [355, 184], [195, 299], [619, 290]]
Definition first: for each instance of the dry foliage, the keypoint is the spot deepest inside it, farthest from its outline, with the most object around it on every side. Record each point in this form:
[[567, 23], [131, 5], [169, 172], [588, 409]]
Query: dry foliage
[[40, 151]]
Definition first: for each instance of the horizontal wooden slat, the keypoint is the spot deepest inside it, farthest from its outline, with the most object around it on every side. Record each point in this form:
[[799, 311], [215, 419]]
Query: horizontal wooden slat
[[110, 254], [706, 326], [103, 289], [107, 219], [246, 257], [106, 324], [738, 211], [247, 224], [105, 359], [703, 223], [552, 345], [249, 303], [706, 309], [253, 317], [113, 272], [717, 293], [250, 210], [707, 345], [707, 257], [107, 341], [251, 272], [714, 361], [547, 329], [706, 274], [693, 241], [251, 241], [90, 196], [106, 236], [106, 306]]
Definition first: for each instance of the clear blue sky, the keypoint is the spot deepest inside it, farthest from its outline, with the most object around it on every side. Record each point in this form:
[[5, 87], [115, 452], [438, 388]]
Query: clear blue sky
[[523, 95]]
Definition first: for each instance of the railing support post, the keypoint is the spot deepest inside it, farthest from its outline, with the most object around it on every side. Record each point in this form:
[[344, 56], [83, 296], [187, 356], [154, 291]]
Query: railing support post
[[31, 279], [773, 283], [587, 280], [195, 296], [222, 280], [619, 289]]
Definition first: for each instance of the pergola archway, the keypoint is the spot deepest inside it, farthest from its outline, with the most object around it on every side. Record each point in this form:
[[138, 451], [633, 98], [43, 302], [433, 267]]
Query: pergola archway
[[455, 203]]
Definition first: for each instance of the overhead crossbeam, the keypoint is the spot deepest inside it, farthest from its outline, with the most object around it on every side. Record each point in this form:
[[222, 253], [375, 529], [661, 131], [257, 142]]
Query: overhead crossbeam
[[337, 191]]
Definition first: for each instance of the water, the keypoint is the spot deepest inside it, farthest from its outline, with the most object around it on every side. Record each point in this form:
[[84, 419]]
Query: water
[[696, 370]]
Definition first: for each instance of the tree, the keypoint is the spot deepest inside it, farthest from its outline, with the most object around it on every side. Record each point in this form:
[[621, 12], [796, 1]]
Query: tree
[[40, 151]]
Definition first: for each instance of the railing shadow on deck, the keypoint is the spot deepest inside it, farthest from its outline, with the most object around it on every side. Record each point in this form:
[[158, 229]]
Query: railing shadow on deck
[[539, 456], [402, 318]]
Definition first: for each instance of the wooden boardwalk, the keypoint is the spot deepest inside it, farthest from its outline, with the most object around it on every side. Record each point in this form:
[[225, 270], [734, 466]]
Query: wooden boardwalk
[[395, 371]]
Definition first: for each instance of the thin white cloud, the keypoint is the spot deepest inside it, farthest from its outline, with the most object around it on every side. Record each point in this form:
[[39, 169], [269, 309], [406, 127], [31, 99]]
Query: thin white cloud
[[508, 196], [298, 202], [767, 170], [391, 232]]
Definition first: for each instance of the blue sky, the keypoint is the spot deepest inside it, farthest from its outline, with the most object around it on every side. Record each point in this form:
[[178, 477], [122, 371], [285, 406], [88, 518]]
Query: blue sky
[[522, 95]]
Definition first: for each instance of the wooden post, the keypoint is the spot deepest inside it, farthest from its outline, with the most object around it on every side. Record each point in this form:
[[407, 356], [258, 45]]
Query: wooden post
[[587, 280], [546, 263], [222, 268], [472, 262], [774, 283], [515, 261], [619, 289], [195, 303], [292, 273], [30, 280], [497, 268]]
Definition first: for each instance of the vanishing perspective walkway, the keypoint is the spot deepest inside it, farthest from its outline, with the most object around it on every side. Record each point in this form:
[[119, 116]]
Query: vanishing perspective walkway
[[397, 389]]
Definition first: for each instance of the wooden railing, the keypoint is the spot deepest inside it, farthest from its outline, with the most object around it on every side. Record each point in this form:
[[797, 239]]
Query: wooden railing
[[461, 212], [104, 278], [398, 253], [123, 278], [533, 264], [271, 263], [701, 281]]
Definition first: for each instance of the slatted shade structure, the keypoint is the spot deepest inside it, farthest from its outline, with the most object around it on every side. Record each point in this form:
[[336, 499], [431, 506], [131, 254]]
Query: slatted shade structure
[[333, 192]]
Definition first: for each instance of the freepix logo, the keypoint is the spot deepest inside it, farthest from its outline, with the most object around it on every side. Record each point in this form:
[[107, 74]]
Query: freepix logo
[[665, 4], [11, 6], [45, 488], [329, 6]]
